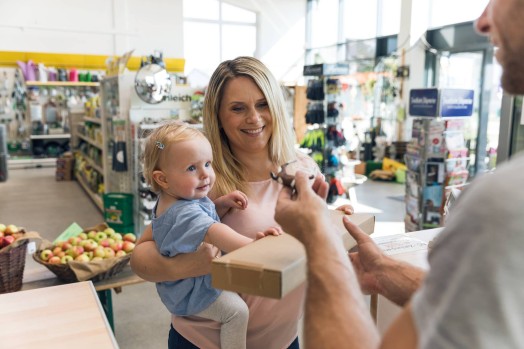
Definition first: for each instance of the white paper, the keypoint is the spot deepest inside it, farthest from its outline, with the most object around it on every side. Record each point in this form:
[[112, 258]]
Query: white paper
[[399, 243]]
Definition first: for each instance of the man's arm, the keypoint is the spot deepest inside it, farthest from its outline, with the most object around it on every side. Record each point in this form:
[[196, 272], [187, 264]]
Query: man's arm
[[149, 264], [336, 314], [380, 274]]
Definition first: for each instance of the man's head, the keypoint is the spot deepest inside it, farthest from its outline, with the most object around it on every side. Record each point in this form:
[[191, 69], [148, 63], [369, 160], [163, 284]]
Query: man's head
[[503, 22]]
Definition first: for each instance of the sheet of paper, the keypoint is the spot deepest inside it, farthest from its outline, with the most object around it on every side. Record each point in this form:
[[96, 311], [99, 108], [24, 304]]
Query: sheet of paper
[[399, 243]]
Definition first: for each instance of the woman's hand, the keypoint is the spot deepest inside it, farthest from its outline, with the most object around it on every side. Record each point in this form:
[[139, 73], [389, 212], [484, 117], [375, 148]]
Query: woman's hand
[[275, 231], [347, 209]]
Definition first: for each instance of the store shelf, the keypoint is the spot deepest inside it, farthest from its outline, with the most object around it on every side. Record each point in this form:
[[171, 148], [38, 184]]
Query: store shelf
[[90, 141], [96, 199], [93, 120], [62, 83], [56, 136], [27, 163], [92, 163]]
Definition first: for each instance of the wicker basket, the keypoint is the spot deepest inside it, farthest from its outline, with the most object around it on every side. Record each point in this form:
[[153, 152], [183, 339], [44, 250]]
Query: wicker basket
[[66, 274], [12, 264]]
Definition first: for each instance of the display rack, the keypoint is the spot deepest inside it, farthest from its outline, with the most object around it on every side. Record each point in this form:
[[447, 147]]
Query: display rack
[[324, 137], [437, 161]]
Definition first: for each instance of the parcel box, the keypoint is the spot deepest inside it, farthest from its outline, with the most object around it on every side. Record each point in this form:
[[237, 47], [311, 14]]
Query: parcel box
[[275, 265]]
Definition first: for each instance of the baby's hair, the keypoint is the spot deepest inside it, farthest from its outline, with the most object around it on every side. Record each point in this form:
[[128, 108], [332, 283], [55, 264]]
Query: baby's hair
[[157, 145]]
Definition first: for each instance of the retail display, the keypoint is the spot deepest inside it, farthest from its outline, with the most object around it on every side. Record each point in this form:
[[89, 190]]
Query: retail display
[[437, 161], [324, 137], [95, 254]]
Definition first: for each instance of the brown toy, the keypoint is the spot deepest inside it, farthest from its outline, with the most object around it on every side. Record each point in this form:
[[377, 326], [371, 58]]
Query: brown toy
[[285, 178]]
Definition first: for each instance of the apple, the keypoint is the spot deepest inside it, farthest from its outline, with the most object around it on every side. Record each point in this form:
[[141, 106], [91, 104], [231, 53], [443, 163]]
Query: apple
[[65, 259], [90, 245], [128, 246], [100, 236], [46, 254], [1, 241], [91, 235], [2, 234], [117, 236], [2, 228], [82, 258], [57, 249], [109, 231], [120, 253], [104, 242], [117, 245], [66, 245], [61, 254], [82, 236], [110, 253], [99, 252], [97, 259], [75, 251], [11, 229], [8, 240], [54, 260], [130, 237], [74, 240]]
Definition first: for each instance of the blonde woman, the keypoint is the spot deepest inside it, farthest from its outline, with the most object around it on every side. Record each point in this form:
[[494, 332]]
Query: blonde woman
[[250, 134]]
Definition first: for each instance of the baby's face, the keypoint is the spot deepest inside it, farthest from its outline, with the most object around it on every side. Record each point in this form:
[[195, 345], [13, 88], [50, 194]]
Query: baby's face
[[188, 169]]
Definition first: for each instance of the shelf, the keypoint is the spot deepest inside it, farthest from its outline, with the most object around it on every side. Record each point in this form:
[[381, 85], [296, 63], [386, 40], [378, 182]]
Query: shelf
[[92, 163], [28, 163], [90, 141], [56, 136], [96, 199], [62, 83], [93, 120]]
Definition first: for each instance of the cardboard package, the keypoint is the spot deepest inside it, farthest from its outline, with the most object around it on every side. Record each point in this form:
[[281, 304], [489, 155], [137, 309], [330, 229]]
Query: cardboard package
[[275, 265]]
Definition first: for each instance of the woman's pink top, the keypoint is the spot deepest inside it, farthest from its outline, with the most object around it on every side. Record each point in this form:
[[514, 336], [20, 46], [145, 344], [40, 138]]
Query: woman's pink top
[[272, 323]]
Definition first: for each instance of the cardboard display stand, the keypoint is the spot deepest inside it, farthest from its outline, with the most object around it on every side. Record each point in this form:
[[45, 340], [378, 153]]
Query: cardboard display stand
[[275, 265]]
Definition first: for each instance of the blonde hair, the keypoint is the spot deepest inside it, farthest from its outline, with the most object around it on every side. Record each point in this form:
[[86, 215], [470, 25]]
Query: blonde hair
[[157, 144], [230, 173]]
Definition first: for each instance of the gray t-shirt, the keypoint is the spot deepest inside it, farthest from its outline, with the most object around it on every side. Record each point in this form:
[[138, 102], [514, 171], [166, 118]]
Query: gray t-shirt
[[181, 229], [473, 296]]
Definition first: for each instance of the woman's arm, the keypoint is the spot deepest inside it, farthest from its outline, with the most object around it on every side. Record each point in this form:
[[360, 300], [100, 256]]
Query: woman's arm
[[149, 264]]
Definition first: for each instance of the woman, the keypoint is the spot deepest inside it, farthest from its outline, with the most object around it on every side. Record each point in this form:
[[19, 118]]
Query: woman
[[247, 125]]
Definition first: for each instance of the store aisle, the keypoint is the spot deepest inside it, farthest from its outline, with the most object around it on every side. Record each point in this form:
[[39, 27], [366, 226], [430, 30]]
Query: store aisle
[[33, 199]]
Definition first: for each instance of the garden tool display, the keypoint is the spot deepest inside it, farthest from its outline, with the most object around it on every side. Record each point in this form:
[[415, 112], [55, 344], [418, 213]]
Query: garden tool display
[[119, 146]]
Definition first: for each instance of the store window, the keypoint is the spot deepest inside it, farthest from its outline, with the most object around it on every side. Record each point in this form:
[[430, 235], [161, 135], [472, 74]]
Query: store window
[[230, 31]]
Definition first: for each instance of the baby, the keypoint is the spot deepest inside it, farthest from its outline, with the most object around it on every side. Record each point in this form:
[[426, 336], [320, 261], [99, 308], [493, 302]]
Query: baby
[[178, 166]]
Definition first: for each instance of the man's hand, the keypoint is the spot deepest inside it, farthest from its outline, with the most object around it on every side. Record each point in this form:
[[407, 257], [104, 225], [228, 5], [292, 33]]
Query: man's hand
[[297, 213], [367, 260]]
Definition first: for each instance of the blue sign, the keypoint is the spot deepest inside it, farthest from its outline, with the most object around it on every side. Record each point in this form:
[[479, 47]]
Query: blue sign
[[456, 102], [423, 102]]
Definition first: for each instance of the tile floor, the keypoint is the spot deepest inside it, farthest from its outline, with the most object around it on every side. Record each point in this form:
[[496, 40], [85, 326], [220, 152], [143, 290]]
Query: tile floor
[[33, 199]]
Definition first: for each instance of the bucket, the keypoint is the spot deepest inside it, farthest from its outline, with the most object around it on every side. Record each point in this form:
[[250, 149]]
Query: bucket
[[118, 209]]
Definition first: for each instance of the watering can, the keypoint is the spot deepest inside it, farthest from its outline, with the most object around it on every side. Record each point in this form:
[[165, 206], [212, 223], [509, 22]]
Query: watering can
[[28, 69]]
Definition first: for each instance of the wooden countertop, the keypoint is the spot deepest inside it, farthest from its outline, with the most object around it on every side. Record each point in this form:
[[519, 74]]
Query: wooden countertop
[[64, 316]]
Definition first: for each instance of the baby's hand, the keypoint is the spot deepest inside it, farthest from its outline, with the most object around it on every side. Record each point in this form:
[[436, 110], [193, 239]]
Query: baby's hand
[[275, 231], [235, 199]]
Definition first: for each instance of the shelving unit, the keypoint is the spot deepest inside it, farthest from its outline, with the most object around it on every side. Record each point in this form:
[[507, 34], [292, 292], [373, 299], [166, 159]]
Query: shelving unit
[[62, 83], [322, 118]]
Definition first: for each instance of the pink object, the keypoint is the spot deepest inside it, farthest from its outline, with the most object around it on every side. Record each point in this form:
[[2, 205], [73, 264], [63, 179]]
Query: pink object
[[28, 69], [73, 75]]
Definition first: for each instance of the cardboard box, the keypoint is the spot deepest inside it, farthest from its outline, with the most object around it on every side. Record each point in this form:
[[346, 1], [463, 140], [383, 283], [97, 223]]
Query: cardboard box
[[275, 265]]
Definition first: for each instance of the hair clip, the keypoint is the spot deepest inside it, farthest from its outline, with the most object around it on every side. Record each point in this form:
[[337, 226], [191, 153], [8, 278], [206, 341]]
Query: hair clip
[[160, 145]]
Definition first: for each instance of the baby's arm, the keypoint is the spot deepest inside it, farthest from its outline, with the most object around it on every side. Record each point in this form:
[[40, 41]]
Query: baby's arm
[[235, 199], [226, 239]]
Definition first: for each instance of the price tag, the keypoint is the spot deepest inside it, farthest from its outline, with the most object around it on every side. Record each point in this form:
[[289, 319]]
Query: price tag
[[31, 247]]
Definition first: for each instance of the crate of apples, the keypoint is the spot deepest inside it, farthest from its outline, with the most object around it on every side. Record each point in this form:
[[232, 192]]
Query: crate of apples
[[95, 254], [9, 234]]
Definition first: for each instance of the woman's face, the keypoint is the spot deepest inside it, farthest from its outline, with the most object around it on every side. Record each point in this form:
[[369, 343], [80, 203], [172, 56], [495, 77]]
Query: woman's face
[[244, 115]]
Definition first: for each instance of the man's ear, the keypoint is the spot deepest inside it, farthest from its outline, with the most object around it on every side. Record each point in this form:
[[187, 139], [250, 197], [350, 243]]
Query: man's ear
[[160, 178]]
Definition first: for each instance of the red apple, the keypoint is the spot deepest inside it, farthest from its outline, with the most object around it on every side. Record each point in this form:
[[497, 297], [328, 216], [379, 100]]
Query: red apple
[[120, 253], [128, 246], [91, 235], [1, 241], [117, 245], [57, 249], [104, 242], [2, 234], [46, 254], [75, 251], [130, 237], [99, 252], [82, 236], [66, 245], [74, 240], [54, 260]]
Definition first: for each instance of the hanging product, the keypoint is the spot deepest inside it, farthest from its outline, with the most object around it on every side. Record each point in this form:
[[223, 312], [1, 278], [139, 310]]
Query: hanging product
[[119, 149], [315, 90]]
